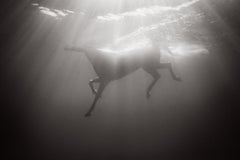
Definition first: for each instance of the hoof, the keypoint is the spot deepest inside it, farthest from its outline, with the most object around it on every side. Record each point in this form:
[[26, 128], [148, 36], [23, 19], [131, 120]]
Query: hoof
[[87, 114]]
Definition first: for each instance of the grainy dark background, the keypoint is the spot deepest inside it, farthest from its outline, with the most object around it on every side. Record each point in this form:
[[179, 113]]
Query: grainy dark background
[[195, 119]]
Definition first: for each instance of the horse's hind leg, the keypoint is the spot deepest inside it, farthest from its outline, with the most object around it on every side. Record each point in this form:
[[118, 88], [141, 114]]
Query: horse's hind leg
[[168, 66], [97, 96], [153, 72]]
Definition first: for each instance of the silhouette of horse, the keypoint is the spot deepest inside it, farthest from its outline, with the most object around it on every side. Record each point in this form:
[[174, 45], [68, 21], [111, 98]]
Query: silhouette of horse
[[111, 66]]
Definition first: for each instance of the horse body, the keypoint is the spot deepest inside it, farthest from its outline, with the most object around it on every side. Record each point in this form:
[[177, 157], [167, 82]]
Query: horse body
[[110, 66]]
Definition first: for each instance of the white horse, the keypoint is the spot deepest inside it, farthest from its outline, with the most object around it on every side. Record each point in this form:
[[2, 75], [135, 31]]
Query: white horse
[[111, 66]]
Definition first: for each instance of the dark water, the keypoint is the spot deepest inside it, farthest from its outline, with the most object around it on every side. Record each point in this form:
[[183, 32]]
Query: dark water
[[45, 95]]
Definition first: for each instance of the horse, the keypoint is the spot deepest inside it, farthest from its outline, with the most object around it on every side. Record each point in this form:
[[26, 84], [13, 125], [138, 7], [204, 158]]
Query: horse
[[110, 66]]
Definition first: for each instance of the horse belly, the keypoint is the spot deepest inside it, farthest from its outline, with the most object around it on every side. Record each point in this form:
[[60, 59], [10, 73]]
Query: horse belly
[[113, 69], [125, 67]]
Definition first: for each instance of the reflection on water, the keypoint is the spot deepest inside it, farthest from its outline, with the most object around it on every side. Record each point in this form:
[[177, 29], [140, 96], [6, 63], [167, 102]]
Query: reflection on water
[[35, 4], [57, 13], [47, 11], [188, 49], [177, 49], [126, 48], [149, 11], [168, 26]]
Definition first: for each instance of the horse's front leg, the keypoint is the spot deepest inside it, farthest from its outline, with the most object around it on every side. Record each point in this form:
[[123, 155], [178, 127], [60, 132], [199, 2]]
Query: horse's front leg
[[97, 96], [91, 82]]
